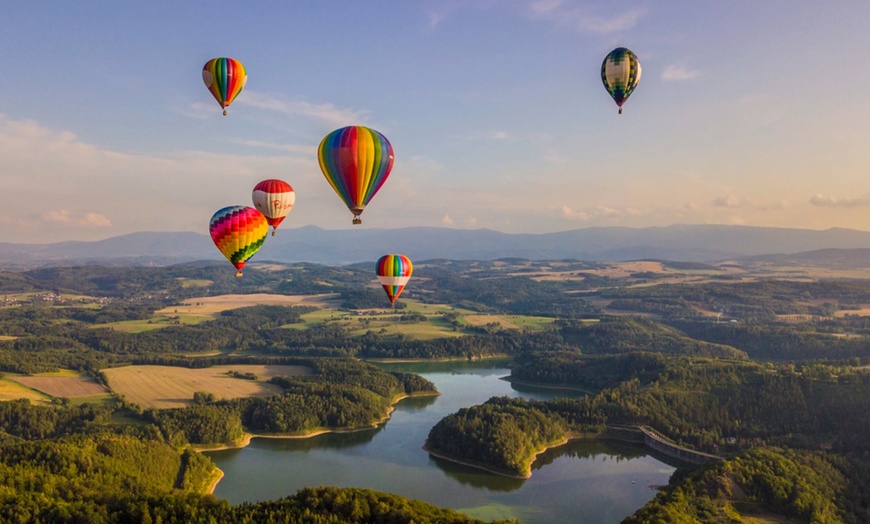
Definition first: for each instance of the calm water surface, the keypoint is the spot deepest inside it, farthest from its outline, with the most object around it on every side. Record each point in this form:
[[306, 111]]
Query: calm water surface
[[584, 481]]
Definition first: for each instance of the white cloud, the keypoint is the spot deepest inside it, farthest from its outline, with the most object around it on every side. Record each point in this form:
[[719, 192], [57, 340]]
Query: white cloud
[[727, 201], [565, 14], [570, 214], [845, 202], [679, 72], [446, 220]]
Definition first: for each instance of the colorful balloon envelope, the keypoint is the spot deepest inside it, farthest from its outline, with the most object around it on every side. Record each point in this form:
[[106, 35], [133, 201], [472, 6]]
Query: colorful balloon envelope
[[275, 199], [394, 271], [238, 232], [224, 78], [620, 73], [356, 162]]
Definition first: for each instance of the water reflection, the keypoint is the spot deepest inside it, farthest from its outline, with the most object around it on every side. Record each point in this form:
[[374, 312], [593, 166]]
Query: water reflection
[[590, 481]]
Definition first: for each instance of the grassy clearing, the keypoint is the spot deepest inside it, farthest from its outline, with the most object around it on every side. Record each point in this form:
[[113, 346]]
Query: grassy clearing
[[171, 387], [195, 282], [210, 306], [7, 337]]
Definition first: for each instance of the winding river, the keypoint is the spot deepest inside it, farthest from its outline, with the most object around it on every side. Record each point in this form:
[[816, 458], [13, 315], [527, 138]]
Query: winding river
[[584, 481]]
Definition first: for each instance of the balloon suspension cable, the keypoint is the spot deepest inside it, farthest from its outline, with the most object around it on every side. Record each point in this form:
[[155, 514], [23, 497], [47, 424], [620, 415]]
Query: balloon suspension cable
[[239, 273], [392, 305]]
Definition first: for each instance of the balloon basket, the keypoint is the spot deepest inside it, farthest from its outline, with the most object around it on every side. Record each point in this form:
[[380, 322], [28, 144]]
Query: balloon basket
[[225, 112], [357, 220], [238, 274]]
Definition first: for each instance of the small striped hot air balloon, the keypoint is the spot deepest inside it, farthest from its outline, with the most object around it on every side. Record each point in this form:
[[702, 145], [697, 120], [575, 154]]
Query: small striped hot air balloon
[[394, 271], [356, 162], [620, 73], [224, 78], [275, 199], [238, 232]]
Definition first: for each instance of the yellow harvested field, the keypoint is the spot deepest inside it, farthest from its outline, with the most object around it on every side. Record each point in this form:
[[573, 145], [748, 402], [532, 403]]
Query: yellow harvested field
[[61, 386], [10, 390], [210, 306], [173, 387]]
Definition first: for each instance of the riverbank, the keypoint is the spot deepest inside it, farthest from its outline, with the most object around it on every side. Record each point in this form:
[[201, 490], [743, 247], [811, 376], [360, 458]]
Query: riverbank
[[546, 386], [445, 359], [248, 437], [496, 471]]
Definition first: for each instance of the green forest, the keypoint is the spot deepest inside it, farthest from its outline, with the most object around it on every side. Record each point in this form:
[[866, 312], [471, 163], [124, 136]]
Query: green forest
[[769, 373]]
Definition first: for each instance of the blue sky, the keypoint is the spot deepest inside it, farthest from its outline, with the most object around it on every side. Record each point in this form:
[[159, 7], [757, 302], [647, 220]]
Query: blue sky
[[747, 112]]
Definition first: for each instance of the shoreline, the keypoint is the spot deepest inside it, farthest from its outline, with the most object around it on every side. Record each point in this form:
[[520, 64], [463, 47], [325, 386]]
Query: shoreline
[[508, 378], [248, 437], [443, 359], [496, 471]]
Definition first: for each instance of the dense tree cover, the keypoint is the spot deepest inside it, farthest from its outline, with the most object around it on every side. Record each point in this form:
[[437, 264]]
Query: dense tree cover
[[324, 505], [703, 404], [75, 475], [339, 394], [614, 335], [20, 419], [810, 486], [779, 341], [503, 434], [747, 301], [568, 368]]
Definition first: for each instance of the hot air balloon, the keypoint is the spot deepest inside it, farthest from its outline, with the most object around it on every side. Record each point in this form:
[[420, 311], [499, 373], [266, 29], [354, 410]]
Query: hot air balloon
[[394, 271], [274, 198], [238, 232], [620, 73], [356, 162], [225, 78]]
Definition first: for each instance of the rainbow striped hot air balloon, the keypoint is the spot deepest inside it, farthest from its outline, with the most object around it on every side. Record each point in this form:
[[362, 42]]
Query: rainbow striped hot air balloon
[[238, 232], [356, 162], [394, 271], [620, 73], [274, 198], [224, 78]]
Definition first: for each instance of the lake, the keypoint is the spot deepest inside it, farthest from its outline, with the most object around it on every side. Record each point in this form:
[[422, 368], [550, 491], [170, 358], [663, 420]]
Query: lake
[[584, 481]]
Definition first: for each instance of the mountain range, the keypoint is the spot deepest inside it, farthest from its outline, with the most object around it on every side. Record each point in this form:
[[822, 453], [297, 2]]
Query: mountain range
[[695, 243]]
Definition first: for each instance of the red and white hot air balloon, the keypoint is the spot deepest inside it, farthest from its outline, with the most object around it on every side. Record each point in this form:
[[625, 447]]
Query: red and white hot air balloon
[[274, 198]]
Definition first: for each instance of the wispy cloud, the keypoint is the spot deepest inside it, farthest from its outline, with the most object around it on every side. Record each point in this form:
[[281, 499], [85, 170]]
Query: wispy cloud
[[581, 18], [676, 73], [596, 213], [845, 202], [327, 113], [88, 219]]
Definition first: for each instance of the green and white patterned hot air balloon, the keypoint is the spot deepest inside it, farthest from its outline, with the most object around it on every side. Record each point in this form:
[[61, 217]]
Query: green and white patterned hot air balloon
[[620, 73]]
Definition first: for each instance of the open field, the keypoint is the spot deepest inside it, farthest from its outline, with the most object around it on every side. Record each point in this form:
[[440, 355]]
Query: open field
[[198, 310], [385, 321], [173, 387], [11, 390], [62, 386], [210, 306]]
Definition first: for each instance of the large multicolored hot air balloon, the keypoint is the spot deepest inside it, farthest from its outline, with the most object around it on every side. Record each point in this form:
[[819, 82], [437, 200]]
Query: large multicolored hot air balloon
[[225, 78], [274, 198], [238, 232], [394, 271], [620, 73], [356, 161]]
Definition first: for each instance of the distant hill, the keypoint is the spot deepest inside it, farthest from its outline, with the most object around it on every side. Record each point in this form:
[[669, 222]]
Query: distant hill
[[690, 243], [828, 258]]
